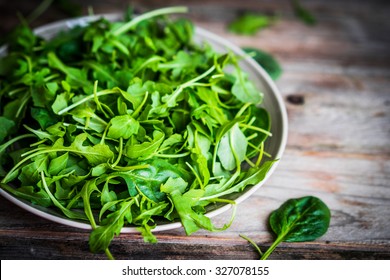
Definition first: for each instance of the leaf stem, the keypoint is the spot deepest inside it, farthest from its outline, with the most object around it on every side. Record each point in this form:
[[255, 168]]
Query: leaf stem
[[172, 155], [85, 99], [119, 153], [261, 153], [266, 132], [253, 244], [196, 175], [278, 240], [127, 26], [10, 142], [234, 208], [108, 254]]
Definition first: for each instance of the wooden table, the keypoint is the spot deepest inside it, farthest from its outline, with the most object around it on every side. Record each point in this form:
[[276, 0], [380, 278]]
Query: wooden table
[[336, 87]]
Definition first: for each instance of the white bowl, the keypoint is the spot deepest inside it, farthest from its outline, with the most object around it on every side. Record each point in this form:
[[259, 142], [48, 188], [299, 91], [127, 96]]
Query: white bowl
[[272, 101]]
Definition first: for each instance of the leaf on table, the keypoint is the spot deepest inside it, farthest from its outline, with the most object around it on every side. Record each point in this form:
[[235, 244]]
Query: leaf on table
[[265, 60], [250, 23], [303, 219], [302, 13]]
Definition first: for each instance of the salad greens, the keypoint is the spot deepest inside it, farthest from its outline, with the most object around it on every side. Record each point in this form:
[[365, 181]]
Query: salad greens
[[297, 220], [129, 123]]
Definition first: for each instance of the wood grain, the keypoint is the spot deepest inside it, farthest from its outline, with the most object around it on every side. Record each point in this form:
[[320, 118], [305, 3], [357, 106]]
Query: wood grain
[[336, 87]]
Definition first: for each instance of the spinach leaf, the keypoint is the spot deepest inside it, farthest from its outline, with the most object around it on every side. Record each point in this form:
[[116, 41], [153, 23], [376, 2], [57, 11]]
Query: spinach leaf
[[303, 219], [298, 220], [265, 60]]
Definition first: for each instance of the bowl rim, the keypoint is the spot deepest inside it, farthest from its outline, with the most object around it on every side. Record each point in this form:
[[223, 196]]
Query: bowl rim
[[204, 35]]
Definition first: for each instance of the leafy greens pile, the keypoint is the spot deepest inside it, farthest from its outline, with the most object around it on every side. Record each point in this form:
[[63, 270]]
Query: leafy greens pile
[[128, 123]]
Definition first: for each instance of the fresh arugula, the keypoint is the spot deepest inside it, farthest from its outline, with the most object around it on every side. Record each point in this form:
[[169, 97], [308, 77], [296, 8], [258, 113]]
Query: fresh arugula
[[129, 123], [250, 23], [297, 220]]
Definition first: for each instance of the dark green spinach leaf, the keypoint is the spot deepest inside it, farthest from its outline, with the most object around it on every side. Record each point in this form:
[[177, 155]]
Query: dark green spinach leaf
[[298, 220], [265, 60]]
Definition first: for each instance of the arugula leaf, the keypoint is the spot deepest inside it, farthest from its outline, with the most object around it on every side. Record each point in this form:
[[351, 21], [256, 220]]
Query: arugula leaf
[[245, 90], [96, 154], [146, 149], [123, 126], [232, 148], [101, 236], [250, 23], [58, 164], [29, 193]]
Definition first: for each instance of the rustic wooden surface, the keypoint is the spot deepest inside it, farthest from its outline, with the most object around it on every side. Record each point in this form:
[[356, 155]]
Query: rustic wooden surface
[[336, 87]]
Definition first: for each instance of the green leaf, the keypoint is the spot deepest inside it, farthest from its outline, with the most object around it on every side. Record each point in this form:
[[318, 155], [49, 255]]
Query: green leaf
[[302, 219], [249, 178], [265, 60], [298, 220], [74, 76], [96, 154], [232, 148], [250, 23], [302, 13], [41, 134], [60, 102], [245, 90], [67, 212], [6, 126], [184, 203], [147, 181], [58, 164], [31, 172], [44, 117], [102, 236], [123, 126], [146, 149], [29, 193], [86, 116]]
